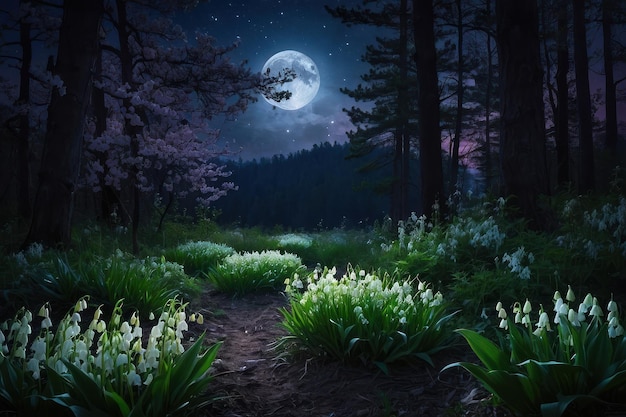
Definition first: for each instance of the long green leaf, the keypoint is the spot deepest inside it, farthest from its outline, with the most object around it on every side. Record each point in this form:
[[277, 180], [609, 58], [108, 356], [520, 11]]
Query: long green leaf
[[489, 354], [515, 389]]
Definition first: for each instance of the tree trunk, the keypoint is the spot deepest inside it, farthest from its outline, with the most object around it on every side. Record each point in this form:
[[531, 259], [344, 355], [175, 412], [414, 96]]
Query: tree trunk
[[403, 108], [583, 100], [522, 137], [77, 53], [609, 81], [488, 159], [428, 108], [133, 131], [454, 160], [23, 148], [562, 106]]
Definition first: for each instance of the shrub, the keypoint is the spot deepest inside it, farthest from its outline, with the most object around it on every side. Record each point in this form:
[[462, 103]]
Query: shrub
[[364, 316], [252, 271], [537, 371], [103, 369], [199, 256]]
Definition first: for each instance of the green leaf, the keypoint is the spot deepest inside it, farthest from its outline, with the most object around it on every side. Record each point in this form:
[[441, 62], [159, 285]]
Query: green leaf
[[514, 389], [488, 352]]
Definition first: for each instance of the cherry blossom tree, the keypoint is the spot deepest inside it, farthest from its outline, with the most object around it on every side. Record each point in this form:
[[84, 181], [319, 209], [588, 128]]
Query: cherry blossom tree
[[161, 91], [145, 127]]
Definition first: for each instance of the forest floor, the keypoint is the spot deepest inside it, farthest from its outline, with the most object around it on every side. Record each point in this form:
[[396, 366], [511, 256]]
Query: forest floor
[[252, 379]]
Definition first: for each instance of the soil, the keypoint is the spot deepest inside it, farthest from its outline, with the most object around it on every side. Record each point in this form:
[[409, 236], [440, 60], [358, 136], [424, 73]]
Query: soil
[[251, 378]]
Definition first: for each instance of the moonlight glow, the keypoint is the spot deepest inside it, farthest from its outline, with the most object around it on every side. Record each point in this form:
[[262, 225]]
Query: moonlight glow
[[306, 84]]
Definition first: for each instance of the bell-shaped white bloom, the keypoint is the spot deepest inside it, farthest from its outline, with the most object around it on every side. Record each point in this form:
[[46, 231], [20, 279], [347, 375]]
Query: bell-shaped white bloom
[[570, 294], [33, 366], [572, 316], [596, 310], [544, 320]]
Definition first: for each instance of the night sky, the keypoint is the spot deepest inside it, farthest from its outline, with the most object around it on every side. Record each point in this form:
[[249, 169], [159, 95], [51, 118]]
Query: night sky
[[265, 27]]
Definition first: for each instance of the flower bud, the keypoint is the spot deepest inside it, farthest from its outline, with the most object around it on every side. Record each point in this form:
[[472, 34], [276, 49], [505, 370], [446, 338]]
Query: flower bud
[[557, 295], [570, 294], [498, 306], [527, 307]]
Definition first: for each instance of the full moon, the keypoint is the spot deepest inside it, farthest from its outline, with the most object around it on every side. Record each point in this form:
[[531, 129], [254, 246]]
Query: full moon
[[304, 86]]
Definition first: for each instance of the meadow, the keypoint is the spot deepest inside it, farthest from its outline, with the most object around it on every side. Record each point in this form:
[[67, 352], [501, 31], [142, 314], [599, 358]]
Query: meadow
[[98, 331]]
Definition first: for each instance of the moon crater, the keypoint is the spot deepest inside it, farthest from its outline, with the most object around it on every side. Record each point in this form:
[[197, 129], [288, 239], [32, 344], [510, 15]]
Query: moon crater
[[305, 85]]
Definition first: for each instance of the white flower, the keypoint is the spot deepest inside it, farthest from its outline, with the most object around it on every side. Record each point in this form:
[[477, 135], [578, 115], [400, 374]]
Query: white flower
[[122, 359], [572, 316], [527, 307], [596, 311], [33, 367], [133, 378], [544, 321]]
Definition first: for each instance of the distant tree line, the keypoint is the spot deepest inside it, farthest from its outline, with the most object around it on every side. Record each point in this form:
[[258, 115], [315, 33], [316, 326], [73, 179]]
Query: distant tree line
[[308, 189]]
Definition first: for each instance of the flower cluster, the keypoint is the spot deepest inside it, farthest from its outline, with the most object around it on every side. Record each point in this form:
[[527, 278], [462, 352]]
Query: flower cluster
[[206, 248], [516, 264], [241, 273], [589, 308], [112, 352], [605, 227], [480, 234], [374, 317], [292, 240], [415, 228], [362, 289]]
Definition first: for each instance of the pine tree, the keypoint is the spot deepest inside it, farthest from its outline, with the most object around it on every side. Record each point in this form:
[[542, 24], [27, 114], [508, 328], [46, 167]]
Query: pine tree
[[391, 86]]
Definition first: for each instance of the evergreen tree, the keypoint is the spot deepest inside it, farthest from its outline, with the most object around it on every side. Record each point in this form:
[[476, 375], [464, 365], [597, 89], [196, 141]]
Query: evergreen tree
[[391, 86]]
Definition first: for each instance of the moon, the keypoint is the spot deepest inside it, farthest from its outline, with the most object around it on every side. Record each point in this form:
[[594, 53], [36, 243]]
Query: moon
[[305, 85]]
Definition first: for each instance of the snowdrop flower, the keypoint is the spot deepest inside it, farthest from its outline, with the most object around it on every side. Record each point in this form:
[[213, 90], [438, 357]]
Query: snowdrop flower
[[572, 317], [33, 366], [612, 306], [596, 311], [527, 307], [544, 321], [570, 294], [122, 359], [133, 378]]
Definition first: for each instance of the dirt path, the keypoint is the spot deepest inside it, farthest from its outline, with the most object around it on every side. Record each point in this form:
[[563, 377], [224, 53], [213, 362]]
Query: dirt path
[[254, 381]]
